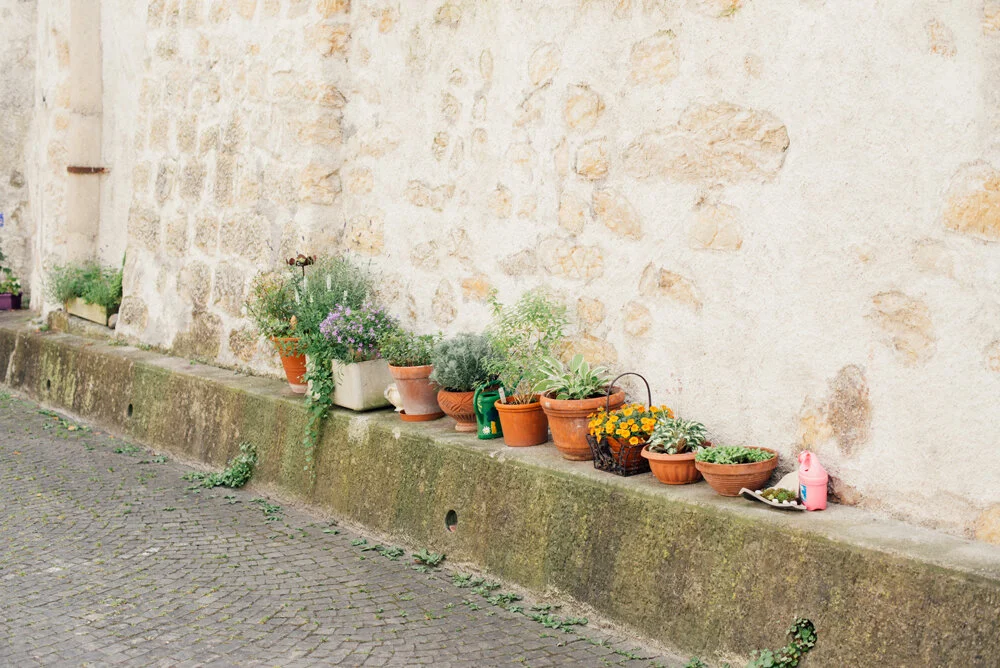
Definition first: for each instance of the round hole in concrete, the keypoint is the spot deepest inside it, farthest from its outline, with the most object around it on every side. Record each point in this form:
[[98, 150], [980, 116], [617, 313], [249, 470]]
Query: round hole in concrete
[[451, 520], [128, 411], [48, 385]]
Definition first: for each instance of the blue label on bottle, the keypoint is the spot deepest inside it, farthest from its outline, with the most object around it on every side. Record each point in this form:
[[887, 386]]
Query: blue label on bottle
[[802, 492]]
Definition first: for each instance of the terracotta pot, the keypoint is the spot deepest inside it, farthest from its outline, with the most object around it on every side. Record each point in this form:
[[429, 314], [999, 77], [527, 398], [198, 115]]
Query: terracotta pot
[[728, 479], [523, 424], [570, 423], [293, 361], [418, 392], [673, 469], [458, 406]]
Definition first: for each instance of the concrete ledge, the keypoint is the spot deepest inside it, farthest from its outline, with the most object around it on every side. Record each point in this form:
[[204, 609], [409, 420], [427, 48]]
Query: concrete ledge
[[683, 565]]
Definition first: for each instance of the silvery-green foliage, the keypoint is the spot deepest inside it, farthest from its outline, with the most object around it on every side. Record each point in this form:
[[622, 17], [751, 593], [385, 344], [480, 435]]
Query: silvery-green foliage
[[461, 362]]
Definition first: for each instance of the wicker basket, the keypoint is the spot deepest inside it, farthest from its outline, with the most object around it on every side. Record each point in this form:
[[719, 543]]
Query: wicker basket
[[615, 456]]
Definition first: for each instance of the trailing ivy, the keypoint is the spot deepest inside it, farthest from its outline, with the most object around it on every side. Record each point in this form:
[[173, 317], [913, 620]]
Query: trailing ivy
[[801, 639], [236, 474]]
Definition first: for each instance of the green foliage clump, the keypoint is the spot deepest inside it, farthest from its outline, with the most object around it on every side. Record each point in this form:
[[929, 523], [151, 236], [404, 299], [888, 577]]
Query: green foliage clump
[[576, 380], [780, 495], [733, 454], [271, 303], [90, 282], [801, 639], [402, 347], [236, 474], [9, 282], [522, 336], [461, 363], [674, 436], [331, 282]]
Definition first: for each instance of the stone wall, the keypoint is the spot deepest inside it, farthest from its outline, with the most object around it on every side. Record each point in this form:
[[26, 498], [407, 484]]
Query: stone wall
[[785, 214]]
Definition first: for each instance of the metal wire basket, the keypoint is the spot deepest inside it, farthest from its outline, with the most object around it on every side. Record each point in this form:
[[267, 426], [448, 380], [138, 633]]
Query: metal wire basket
[[616, 456]]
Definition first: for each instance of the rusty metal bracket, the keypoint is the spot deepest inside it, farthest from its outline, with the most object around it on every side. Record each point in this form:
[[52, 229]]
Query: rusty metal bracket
[[74, 169]]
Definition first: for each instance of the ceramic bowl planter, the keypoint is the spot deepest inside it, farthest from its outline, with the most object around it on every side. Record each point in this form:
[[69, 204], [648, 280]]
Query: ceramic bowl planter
[[523, 424], [10, 302], [293, 362], [673, 469], [459, 407], [361, 386], [418, 392], [91, 312], [729, 479], [569, 420]]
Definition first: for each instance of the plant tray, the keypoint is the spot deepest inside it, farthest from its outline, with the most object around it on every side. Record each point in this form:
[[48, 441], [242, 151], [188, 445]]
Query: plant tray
[[627, 461], [91, 312]]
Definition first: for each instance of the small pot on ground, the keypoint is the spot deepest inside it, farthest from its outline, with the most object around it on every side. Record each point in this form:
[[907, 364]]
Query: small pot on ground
[[459, 407], [361, 386], [523, 424], [293, 361], [673, 469], [418, 392], [569, 420], [10, 302], [729, 479]]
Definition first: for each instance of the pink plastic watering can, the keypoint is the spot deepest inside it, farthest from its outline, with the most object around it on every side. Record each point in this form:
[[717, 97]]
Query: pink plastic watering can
[[812, 482]]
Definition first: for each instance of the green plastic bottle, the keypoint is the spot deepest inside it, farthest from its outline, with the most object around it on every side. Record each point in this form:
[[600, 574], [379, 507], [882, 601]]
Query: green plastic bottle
[[487, 416]]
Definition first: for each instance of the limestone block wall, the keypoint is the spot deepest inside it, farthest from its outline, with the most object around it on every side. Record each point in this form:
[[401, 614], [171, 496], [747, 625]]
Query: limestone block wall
[[786, 214]]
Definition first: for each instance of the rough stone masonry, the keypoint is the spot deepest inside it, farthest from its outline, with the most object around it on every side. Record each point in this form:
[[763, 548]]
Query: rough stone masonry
[[785, 214]]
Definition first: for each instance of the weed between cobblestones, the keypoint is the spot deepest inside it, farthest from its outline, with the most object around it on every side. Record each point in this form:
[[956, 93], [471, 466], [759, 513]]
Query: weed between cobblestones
[[236, 474]]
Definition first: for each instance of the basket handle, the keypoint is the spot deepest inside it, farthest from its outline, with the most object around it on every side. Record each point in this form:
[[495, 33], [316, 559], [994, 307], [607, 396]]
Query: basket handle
[[611, 385]]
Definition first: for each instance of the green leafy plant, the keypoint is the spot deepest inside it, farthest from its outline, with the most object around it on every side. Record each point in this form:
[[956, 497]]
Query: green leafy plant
[[236, 474], [674, 436], [522, 335], [9, 283], [461, 363], [90, 282], [427, 558], [780, 495], [402, 347], [271, 303], [575, 380], [801, 639], [733, 454]]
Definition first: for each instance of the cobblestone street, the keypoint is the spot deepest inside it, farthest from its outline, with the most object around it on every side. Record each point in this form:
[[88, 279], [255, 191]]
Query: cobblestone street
[[110, 557]]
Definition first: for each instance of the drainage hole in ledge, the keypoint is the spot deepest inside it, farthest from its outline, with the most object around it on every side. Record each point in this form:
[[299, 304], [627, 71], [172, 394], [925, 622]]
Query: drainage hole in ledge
[[128, 411], [48, 385], [451, 520]]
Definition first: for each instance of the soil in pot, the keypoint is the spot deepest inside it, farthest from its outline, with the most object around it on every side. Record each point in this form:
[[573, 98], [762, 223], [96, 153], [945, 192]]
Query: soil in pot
[[418, 392], [729, 479], [293, 362], [523, 424], [673, 469], [458, 406], [569, 420]]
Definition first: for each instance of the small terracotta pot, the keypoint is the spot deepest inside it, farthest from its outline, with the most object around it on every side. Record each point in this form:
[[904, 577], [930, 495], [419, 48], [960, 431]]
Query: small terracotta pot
[[293, 362], [523, 424], [418, 392], [728, 479], [673, 469], [458, 406], [569, 420]]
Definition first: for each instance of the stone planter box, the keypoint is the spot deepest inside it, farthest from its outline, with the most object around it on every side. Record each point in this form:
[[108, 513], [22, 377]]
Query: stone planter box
[[91, 312], [361, 386]]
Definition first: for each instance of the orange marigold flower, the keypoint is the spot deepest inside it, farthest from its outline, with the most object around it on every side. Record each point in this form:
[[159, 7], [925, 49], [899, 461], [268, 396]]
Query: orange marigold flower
[[633, 441]]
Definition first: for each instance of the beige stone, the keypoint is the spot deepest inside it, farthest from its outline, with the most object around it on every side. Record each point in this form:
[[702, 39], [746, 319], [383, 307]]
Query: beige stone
[[439, 147], [159, 132], [992, 355], [988, 525], [448, 14], [141, 174], [580, 262], [451, 108], [616, 213], [387, 19], [322, 129], [716, 143], [932, 256], [460, 246], [479, 108], [849, 411], [246, 8], [716, 227], [329, 39], [543, 64], [133, 314], [500, 202], [206, 234], [572, 215], [187, 133], [243, 343], [320, 184], [194, 283], [521, 263], [940, 39], [422, 195], [532, 108], [360, 181], [202, 339], [906, 324], [175, 236], [589, 312], [246, 236], [144, 227], [329, 8], [637, 318], [366, 233], [991, 17], [225, 168], [655, 59], [561, 158], [486, 65], [443, 307], [716, 8], [592, 160], [193, 181], [165, 179], [425, 256], [972, 203], [476, 288], [522, 154], [660, 282], [229, 288], [594, 350], [480, 145], [583, 108]]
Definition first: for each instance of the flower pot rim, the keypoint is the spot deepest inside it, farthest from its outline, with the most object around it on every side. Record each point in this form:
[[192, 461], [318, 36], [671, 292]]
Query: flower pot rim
[[664, 457], [447, 391], [518, 408], [576, 405], [419, 366], [740, 469]]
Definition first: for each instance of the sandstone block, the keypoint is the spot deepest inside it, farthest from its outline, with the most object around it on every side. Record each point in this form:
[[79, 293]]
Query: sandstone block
[[560, 258], [521, 263], [616, 213], [360, 181], [329, 8], [175, 236], [202, 339], [366, 233], [906, 324], [243, 344], [229, 288], [387, 19], [329, 39], [422, 195], [449, 14], [972, 203], [572, 215], [144, 227], [194, 283], [583, 108], [320, 184], [660, 282], [716, 227], [543, 64], [637, 318], [443, 305], [940, 39], [992, 354], [206, 234], [500, 202], [486, 65], [425, 256], [592, 160], [133, 314], [589, 312], [476, 288], [988, 525], [655, 59], [594, 350], [532, 107], [933, 257], [193, 181], [451, 108], [991, 17]]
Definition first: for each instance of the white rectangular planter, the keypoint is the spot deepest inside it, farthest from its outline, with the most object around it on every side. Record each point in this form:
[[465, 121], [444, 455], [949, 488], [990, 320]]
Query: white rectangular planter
[[361, 386], [91, 312]]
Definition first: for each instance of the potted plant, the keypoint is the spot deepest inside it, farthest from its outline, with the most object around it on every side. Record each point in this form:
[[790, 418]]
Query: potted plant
[[271, 304], [570, 395], [729, 468], [10, 287], [410, 356], [359, 372], [630, 425], [460, 365], [88, 291], [521, 337], [672, 448]]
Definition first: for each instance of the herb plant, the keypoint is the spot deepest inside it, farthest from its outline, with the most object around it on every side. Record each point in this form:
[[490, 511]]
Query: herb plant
[[522, 335], [576, 380], [271, 303], [402, 347], [9, 283], [90, 282], [674, 436], [352, 334], [733, 454], [461, 363]]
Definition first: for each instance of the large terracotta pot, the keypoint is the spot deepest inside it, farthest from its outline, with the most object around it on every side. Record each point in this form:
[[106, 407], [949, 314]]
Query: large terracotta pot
[[672, 469], [418, 392], [523, 424], [729, 479], [458, 406], [293, 362], [570, 423]]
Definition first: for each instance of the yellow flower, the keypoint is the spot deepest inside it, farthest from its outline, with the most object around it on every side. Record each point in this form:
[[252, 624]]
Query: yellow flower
[[633, 441], [609, 428], [628, 411], [612, 418]]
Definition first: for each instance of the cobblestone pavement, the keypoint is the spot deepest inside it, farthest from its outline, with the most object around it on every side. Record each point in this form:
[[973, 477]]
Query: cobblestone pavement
[[109, 557]]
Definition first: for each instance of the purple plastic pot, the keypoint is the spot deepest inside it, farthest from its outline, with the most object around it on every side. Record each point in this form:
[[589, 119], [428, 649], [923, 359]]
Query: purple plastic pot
[[9, 302]]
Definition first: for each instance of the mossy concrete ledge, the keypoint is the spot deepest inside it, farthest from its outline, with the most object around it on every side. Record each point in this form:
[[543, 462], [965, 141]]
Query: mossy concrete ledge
[[699, 572]]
